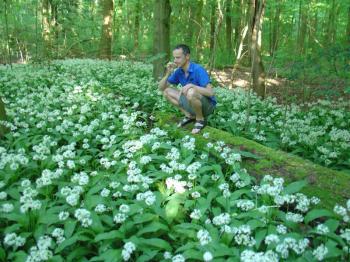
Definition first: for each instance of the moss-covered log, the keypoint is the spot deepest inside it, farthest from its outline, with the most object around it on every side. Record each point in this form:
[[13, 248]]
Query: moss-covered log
[[3, 130], [329, 185]]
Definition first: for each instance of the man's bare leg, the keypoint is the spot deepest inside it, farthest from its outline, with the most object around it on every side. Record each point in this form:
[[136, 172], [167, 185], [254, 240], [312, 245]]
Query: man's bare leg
[[194, 99], [173, 96]]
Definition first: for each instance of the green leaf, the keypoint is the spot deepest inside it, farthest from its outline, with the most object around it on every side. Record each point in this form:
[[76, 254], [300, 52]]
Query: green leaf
[[332, 224], [317, 213], [190, 245], [110, 255], [172, 208], [153, 227], [78, 254], [115, 234], [333, 251], [69, 227], [66, 243], [295, 187], [259, 236], [148, 255], [144, 218], [193, 254], [156, 242]]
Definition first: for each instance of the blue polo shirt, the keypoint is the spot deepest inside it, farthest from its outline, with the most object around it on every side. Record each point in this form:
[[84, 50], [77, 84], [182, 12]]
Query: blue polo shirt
[[197, 75]]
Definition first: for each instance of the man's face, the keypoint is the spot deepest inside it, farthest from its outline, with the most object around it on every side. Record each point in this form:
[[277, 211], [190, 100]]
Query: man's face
[[179, 58]]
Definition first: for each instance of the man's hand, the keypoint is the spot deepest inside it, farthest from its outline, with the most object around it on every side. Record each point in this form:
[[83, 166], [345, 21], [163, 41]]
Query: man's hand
[[185, 89], [170, 67]]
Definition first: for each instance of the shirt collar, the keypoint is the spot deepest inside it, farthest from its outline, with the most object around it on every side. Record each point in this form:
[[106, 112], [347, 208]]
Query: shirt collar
[[190, 68]]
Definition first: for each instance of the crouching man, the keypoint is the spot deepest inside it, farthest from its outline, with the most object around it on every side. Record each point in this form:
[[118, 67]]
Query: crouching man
[[196, 98]]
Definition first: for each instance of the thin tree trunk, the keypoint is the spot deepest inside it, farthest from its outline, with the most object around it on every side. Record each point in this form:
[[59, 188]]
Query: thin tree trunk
[[198, 28], [190, 23], [237, 21], [46, 28], [3, 129], [161, 40], [215, 37], [8, 36], [212, 26], [303, 23], [228, 21], [137, 24], [348, 27], [258, 72], [107, 33], [275, 28]]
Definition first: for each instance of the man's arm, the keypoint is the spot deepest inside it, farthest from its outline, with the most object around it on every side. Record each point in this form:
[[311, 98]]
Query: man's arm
[[163, 83]]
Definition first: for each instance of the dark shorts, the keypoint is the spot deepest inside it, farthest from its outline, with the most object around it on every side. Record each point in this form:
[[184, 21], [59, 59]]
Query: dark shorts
[[207, 106]]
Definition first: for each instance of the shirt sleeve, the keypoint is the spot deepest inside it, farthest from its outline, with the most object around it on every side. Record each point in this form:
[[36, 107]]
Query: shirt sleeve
[[173, 79], [203, 76]]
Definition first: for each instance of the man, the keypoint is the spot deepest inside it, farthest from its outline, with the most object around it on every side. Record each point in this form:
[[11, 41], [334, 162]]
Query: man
[[196, 98]]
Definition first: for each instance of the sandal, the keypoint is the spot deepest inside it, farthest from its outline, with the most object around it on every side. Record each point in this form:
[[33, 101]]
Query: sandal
[[186, 120], [198, 126]]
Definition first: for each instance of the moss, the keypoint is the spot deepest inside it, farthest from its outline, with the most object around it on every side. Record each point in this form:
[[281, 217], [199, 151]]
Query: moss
[[329, 185]]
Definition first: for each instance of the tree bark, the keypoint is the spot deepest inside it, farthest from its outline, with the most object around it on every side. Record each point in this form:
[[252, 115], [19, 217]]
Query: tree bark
[[198, 30], [276, 28], [237, 20], [215, 36], [46, 28], [258, 72], [348, 27], [212, 25], [107, 30], [303, 23], [3, 129], [161, 40], [228, 21], [137, 24]]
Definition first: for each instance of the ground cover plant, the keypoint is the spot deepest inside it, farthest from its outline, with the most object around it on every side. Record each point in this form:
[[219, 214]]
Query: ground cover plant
[[86, 175]]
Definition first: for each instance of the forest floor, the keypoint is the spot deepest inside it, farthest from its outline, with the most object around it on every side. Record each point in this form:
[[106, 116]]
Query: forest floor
[[284, 90]]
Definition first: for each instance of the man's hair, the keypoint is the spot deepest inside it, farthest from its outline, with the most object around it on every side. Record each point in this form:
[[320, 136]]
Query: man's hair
[[185, 48]]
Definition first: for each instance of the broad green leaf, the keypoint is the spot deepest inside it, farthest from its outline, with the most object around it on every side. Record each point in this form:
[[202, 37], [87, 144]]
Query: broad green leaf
[[156, 242], [317, 213], [295, 187], [78, 253], [193, 254], [190, 245], [66, 243], [259, 237], [115, 234], [148, 255], [144, 218], [153, 227], [69, 227], [110, 255], [332, 224]]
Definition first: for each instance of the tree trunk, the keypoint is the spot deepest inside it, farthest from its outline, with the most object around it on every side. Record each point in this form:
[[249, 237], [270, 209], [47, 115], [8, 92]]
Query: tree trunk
[[107, 30], [46, 28], [275, 28], [303, 23], [3, 129], [190, 23], [161, 40], [348, 27], [198, 30], [215, 36], [212, 26], [332, 23], [137, 25], [258, 73], [237, 20], [228, 21]]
